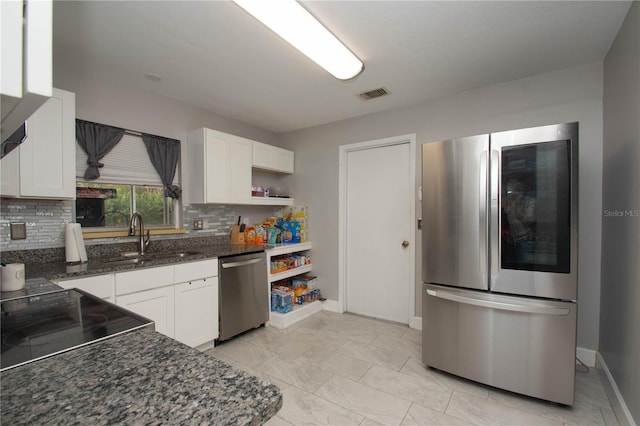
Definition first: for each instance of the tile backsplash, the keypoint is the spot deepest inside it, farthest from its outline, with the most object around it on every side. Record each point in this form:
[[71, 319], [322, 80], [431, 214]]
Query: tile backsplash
[[45, 222]]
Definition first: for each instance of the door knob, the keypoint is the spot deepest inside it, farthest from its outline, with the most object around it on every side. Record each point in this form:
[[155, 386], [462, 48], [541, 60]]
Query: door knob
[[405, 244]]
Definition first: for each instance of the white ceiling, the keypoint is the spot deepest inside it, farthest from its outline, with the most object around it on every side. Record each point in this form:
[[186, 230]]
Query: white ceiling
[[213, 55]]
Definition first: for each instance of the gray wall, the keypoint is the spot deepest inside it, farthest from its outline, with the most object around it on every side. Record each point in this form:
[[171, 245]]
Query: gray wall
[[564, 96], [620, 296], [133, 108]]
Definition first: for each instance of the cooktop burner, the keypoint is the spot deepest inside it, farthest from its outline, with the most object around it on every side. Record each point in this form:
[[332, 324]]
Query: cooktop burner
[[35, 327]]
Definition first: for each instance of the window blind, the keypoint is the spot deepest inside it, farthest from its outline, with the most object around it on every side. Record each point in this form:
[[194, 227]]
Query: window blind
[[127, 163]]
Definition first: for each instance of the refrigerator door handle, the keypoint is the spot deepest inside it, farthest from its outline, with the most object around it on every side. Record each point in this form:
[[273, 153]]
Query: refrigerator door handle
[[529, 309], [494, 225], [484, 225]]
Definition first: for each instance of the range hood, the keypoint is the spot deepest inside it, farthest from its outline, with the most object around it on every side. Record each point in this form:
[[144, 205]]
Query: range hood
[[15, 139], [26, 80]]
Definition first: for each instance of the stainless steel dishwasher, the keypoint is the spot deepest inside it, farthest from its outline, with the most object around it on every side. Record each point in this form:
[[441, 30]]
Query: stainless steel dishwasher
[[244, 293]]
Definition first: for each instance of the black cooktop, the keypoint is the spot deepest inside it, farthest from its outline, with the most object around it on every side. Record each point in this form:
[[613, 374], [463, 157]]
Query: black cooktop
[[42, 325]]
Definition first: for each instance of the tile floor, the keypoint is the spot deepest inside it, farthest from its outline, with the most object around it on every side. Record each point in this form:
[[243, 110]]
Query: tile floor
[[343, 369]]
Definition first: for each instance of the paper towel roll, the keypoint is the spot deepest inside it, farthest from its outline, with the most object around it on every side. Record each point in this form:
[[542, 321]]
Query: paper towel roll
[[70, 245], [13, 277], [75, 251], [82, 250]]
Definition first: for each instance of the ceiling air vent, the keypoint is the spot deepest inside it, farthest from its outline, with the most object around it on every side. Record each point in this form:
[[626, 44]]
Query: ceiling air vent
[[372, 94]]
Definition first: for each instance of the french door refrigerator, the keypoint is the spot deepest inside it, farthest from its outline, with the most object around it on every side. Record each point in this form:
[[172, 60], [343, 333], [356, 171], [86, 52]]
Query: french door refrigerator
[[500, 257]]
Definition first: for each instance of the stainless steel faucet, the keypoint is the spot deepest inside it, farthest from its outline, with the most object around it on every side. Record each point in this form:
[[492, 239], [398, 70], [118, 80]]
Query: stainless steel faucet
[[142, 244]]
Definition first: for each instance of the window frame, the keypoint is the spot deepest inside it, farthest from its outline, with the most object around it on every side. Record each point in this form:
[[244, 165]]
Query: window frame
[[142, 174]]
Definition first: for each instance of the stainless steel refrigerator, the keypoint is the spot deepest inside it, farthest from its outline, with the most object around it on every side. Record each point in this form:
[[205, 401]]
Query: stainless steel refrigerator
[[500, 259]]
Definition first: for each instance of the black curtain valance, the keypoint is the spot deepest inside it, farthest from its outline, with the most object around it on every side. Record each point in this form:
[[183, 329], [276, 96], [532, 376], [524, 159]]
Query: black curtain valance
[[96, 140], [164, 154]]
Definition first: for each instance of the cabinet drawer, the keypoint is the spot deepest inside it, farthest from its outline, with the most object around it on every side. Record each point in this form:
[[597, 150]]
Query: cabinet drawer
[[100, 285], [144, 279], [195, 270]]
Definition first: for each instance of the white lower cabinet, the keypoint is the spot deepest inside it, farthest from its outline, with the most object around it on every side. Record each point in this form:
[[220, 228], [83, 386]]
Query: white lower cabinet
[[193, 308], [182, 299], [99, 285], [158, 305]]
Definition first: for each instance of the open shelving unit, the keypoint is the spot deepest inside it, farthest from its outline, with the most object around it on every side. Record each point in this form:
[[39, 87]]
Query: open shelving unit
[[299, 312]]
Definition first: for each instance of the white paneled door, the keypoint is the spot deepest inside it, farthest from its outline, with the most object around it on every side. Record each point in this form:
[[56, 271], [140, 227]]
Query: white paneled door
[[377, 228]]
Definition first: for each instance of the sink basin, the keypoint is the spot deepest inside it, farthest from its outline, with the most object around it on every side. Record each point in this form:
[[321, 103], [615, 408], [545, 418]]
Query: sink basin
[[133, 257]]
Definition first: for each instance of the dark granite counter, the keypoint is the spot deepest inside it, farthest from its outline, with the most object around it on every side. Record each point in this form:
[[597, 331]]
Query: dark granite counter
[[56, 270], [141, 377]]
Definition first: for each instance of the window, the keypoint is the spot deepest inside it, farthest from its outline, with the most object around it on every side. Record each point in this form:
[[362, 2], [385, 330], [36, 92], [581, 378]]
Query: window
[[128, 183]]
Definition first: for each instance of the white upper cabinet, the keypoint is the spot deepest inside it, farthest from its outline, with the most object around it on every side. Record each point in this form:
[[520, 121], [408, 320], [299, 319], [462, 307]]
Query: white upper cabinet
[[272, 158], [43, 166], [219, 167], [26, 68]]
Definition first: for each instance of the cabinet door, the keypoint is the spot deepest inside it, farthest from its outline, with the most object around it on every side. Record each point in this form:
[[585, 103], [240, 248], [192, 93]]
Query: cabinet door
[[262, 156], [10, 174], [268, 157], [240, 154], [283, 160], [217, 167], [196, 313], [100, 285], [47, 155], [156, 304]]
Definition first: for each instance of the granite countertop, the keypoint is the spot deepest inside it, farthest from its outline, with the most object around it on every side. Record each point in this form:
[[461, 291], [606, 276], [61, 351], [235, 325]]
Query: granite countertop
[[57, 270], [141, 377]]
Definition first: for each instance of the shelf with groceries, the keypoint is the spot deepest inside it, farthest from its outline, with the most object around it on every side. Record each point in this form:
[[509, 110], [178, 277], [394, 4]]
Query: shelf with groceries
[[293, 291], [294, 294]]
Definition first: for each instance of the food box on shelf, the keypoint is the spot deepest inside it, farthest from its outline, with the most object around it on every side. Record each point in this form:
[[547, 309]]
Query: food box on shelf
[[286, 262], [294, 212], [309, 296], [297, 214], [309, 281], [290, 232]]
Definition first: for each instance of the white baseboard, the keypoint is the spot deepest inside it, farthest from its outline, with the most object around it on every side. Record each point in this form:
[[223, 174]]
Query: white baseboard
[[588, 356], [299, 313], [331, 305], [416, 322], [617, 401]]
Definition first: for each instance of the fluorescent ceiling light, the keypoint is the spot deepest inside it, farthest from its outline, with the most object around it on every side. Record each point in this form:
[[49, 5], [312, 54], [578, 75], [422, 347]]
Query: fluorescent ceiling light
[[294, 24]]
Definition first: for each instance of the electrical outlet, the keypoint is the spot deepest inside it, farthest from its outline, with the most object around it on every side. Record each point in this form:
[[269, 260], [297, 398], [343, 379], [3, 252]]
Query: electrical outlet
[[198, 224], [18, 231]]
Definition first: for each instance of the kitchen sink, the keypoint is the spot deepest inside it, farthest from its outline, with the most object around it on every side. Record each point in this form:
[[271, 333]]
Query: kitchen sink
[[130, 258]]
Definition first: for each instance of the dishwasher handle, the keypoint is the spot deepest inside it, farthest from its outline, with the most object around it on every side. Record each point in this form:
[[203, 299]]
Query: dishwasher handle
[[240, 263]]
